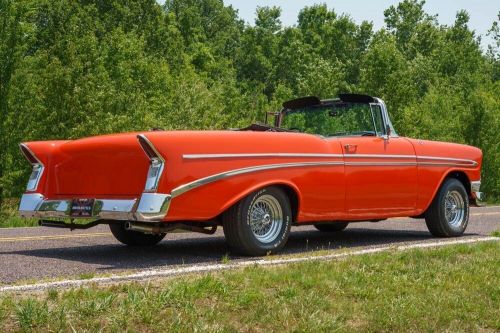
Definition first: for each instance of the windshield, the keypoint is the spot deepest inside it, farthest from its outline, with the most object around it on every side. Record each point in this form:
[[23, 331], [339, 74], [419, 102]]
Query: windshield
[[336, 120]]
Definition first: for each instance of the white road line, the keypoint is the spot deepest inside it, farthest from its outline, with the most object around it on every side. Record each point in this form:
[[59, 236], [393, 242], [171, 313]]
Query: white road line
[[149, 274]]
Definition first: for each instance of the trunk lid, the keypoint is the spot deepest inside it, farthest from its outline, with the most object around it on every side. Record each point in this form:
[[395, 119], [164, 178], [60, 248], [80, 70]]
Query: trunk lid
[[110, 165]]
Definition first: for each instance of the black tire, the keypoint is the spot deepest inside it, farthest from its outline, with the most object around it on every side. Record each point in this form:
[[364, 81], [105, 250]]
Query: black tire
[[331, 226], [133, 238], [441, 218], [247, 236]]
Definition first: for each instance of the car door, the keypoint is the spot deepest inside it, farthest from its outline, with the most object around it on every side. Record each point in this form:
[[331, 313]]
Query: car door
[[380, 173]]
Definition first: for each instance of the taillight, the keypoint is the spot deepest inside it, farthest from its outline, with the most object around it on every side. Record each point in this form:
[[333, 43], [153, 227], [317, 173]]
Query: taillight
[[37, 168], [156, 164]]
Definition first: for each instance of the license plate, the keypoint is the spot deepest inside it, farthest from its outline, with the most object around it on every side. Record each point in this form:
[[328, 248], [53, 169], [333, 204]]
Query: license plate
[[81, 207]]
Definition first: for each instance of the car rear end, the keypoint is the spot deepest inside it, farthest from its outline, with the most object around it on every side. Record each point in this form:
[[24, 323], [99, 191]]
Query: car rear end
[[106, 177]]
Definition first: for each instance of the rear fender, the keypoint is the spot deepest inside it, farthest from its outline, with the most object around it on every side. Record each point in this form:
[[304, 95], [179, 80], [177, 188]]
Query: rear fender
[[280, 183], [42, 152], [182, 205]]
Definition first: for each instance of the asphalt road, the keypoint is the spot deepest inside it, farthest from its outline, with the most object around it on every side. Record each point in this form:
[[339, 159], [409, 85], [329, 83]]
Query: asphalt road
[[32, 254]]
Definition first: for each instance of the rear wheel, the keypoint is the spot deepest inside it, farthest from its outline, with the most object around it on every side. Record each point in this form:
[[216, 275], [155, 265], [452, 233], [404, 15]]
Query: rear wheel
[[133, 238], [260, 223], [448, 213], [331, 227]]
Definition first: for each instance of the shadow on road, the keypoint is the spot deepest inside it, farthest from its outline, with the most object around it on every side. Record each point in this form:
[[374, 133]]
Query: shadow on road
[[204, 250]]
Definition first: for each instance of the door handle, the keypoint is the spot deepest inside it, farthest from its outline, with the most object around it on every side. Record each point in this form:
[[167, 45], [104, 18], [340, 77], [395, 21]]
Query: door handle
[[349, 147]]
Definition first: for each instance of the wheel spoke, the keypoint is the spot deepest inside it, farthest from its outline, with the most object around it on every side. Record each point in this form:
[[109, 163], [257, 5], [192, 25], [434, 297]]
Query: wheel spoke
[[454, 208], [266, 218]]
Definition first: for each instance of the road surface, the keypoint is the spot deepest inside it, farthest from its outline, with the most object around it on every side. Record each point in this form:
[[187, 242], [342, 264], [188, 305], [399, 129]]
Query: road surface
[[33, 254]]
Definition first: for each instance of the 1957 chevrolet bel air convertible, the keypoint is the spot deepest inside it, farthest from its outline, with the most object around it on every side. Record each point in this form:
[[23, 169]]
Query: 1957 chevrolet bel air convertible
[[322, 162]]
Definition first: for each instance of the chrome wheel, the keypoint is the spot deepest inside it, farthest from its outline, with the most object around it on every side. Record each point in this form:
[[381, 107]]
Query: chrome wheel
[[454, 208], [266, 218]]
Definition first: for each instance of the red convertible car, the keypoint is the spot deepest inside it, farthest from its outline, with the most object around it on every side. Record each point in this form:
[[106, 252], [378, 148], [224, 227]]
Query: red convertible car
[[322, 162]]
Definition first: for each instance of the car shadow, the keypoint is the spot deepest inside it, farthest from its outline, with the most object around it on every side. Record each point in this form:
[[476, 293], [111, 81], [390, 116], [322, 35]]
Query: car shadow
[[205, 250]]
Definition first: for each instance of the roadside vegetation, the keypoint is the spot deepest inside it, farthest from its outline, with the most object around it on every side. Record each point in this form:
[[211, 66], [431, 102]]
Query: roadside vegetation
[[70, 69], [453, 289], [9, 216]]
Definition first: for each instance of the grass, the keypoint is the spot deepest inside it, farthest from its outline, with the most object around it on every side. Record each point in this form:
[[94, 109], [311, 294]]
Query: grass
[[496, 233], [9, 217], [16, 222], [455, 289]]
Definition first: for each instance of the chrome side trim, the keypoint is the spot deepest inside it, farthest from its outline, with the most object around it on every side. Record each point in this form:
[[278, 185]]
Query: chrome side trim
[[459, 160], [290, 155], [379, 163], [446, 164], [223, 175], [423, 159], [210, 179], [412, 157]]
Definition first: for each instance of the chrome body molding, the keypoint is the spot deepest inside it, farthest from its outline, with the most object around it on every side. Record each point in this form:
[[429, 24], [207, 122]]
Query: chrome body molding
[[151, 207], [257, 155], [223, 175], [380, 163], [448, 160], [422, 160], [382, 156], [415, 161]]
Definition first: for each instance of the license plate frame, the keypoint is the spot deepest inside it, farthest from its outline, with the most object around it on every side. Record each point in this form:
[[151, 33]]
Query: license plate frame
[[81, 207]]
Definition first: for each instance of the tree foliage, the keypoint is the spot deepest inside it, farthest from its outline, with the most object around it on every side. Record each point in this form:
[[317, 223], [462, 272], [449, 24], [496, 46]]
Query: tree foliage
[[70, 69]]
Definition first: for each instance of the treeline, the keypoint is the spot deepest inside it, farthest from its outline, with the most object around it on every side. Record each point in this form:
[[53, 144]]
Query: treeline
[[70, 69]]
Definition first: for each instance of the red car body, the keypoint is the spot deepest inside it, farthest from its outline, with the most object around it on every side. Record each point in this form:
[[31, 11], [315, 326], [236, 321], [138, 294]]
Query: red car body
[[203, 173]]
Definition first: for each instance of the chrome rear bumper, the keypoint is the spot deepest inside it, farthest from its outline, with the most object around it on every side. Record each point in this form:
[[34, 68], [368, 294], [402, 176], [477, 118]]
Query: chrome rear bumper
[[150, 207]]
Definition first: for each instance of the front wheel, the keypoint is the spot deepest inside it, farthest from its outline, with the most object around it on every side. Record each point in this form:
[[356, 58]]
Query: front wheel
[[133, 238], [448, 213], [260, 223]]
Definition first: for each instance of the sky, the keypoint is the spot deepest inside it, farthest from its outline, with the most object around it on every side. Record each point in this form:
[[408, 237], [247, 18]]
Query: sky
[[482, 12]]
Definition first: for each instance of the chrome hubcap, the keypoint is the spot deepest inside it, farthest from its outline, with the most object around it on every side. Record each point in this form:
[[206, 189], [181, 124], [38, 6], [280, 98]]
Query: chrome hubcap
[[454, 208], [266, 218]]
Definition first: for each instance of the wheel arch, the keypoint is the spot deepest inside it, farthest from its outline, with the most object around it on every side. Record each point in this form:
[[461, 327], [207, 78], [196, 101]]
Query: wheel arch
[[463, 178], [290, 189], [458, 174]]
